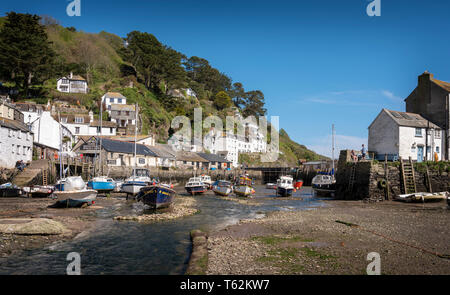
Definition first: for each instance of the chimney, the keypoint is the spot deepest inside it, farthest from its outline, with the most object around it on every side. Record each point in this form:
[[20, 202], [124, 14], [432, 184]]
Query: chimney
[[425, 77], [91, 116], [71, 75]]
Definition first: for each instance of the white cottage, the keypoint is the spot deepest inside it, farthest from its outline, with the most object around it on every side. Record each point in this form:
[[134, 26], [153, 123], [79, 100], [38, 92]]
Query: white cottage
[[405, 135], [47, 131], [16, 143], [72, 84]]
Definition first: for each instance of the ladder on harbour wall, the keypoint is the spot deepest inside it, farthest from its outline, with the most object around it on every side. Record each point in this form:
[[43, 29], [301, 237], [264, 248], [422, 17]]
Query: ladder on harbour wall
[[351, 181], [85, 170], [408, 177], [44, 177]]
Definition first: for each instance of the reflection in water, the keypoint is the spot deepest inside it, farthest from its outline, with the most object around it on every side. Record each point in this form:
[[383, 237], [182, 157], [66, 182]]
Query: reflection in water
[[157, 248]]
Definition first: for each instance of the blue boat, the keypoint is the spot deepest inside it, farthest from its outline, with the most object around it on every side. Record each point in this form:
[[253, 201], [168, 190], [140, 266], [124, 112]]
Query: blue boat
[[102, 184], [157, 196]]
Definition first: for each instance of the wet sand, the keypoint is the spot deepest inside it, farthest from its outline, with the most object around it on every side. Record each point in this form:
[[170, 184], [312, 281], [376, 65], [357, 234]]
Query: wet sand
[[312, 242]]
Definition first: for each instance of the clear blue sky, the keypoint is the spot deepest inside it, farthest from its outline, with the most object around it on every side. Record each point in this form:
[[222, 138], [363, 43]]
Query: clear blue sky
[[317, 62]]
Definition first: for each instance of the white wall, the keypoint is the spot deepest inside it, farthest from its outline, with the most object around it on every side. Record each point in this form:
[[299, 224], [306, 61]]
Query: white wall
[[107, 102], [9, 141], [47, 132], [384, 135], [408, 139]]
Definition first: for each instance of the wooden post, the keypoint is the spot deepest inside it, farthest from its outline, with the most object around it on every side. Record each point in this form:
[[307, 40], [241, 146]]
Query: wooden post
[[386, 175], [430, 187]]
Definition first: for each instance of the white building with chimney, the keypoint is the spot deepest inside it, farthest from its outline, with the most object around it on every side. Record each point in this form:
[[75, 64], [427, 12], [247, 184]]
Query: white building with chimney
[[72, 84]]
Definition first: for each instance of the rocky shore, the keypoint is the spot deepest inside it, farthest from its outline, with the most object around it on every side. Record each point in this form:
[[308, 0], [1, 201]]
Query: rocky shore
[[408, 238], [183, 206]]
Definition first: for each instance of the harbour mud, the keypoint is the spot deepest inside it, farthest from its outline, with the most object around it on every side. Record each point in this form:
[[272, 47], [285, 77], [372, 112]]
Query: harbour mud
[[408, 237]]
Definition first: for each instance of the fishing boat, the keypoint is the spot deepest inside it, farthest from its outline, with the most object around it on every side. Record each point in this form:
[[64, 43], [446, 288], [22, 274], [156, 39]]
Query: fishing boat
[[271, 185], [157, 196], [140, 178], [195, 186], [324, 184], [244, 187], [423, 197], [298, 184], [9, 190], [38, 191], [72, 192], [223, 188], [102, 184], [206, 179], [285, 187]]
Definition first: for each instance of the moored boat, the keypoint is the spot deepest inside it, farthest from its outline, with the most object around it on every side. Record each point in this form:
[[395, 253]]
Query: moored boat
[[223, 188], [271, 185], [423, 197], [244, 187], [38, 191], [9, 190], [195, 186], [140, 178], [102, 184], [285, 188], [206, 179], [324, 184], [298, 184], [73, 193], [157, 196]]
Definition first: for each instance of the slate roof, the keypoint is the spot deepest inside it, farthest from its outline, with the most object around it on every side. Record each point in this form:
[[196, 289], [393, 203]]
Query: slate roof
[[114, 95], [189, 157], [116, 146], [122, 107], [442, 84], [213, 158], [161, 152], [104, 124], [410, 119], [15, 125]]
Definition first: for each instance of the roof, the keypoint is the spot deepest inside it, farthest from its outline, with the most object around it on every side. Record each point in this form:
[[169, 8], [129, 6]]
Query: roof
[[71, 118], [410, 119], [15, 125], [74, 77], [104, 124], [122, 107], [161, 152], [117, 146], [130, 138], [189, 157], [442, 84], [114, 95], [213, 158]]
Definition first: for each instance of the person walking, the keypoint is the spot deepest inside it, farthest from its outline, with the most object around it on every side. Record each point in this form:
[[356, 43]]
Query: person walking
[[363, 152]]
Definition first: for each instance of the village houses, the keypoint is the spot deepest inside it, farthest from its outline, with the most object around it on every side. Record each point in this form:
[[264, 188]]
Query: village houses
[[72, 84]]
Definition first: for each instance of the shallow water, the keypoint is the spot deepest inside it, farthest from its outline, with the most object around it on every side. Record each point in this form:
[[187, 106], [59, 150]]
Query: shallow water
[[158, 248]]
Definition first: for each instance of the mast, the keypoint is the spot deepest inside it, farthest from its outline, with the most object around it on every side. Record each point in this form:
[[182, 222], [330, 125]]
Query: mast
[[60, 148], [101, 127], [332, 147], [135, 139]]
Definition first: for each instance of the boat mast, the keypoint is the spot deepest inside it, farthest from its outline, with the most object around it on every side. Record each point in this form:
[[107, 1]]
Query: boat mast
[[101, 127], [61, 167], [332, 148], [135, 139]]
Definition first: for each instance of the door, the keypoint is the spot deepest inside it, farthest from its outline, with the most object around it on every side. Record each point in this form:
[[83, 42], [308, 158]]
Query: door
[[420, 154]]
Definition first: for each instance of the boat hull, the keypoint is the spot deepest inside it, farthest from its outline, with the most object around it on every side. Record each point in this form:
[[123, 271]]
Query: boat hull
[[157, 196], [243, 190], [222, 191], [10, 192], [196, 190], [81, 195], [285, 192], [271, 186], [298, 184], [133, 188], [101, 186], [38, 191]]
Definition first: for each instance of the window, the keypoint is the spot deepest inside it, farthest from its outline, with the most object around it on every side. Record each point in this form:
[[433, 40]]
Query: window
[[10, 133], [77, 130], [111, 131], [109, 107], [419, 132], [12, 148], [99, 130], [127, 113], [428, 149], [79, 120], [24, 151], [18, 149], [111, 100], [437, 149], [64, 119], [65, 81], [438, 134], [19, 134], [141, 161], [119, 100]]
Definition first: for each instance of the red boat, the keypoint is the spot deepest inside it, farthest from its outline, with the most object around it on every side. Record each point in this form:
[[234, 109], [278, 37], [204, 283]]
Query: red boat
[[298, 184]]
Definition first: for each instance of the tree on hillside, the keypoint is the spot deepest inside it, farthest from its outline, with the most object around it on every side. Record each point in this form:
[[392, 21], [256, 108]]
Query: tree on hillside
[[222, 100], [25, 51], [254, 104], [199, 70], [237, 93]]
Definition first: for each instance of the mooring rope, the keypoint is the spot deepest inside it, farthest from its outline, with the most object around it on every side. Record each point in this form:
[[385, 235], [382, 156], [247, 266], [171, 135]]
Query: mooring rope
[[445, 256]]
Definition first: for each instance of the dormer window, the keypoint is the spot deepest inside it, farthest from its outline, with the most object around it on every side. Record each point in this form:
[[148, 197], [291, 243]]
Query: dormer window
[[79, 120]]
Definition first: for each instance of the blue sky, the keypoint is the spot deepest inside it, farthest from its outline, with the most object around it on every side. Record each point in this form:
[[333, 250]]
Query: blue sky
[[317, 62]]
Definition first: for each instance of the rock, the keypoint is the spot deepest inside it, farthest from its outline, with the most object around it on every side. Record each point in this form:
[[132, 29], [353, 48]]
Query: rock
[[35, 226]]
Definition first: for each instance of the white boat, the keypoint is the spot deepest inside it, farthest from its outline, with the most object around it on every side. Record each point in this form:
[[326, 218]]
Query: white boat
[[324, 183], [244, 187], [285, 186], [195, 185], [206, 179], [139, 179], [423, 197], [73, 189], [223, 188]]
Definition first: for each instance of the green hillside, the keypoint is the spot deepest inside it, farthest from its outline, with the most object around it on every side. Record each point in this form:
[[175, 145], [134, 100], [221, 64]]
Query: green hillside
[[145, 71]]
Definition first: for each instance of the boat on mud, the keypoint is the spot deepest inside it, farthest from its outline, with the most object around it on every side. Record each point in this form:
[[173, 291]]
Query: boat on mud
[[157, 196], [285, 187], [9, 190], [72, 192], [38, 191], [206, 179], [324, 184], [298, 184], [195, 185], [271, 185], [102, 184], [244, 187], [223, 188], [140, 178], [424, 197]]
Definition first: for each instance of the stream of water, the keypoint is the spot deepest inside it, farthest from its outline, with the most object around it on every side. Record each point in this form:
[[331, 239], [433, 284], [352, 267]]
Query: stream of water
[[115, 247]]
